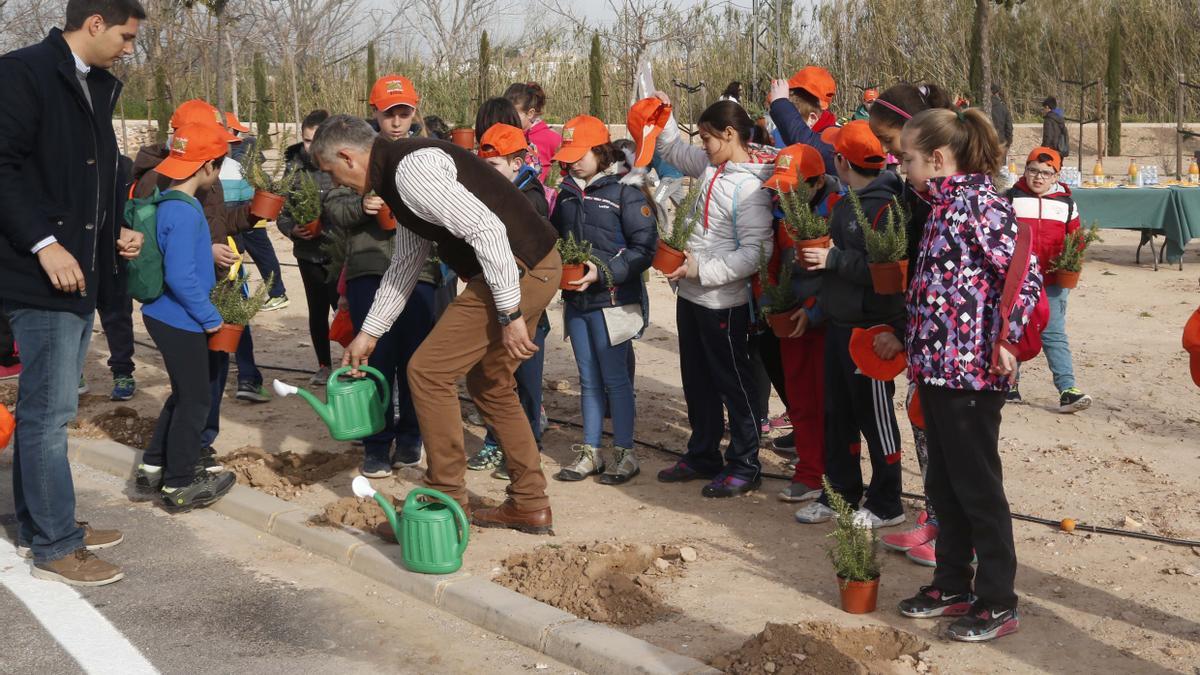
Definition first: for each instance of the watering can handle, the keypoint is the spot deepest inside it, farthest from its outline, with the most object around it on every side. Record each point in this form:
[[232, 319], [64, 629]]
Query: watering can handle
[[385, 391], [463, 525]]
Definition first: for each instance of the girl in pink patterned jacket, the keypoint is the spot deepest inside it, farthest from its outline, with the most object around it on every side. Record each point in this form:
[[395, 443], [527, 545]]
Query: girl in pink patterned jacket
[[961, 337]]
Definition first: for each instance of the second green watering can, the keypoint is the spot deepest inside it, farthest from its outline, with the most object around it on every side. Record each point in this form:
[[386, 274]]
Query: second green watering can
[[432, 534], [354, 408]]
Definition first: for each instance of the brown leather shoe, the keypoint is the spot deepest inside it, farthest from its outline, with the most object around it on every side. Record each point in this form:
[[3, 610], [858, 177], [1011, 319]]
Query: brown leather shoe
[[540, 521], [93, 539], [80, 568]]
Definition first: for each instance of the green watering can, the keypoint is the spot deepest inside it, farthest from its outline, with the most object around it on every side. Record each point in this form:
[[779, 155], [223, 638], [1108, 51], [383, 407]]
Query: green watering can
[[356, 407], [432, 535]]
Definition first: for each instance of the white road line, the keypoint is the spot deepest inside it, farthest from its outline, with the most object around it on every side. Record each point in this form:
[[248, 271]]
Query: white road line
[[83, 632]]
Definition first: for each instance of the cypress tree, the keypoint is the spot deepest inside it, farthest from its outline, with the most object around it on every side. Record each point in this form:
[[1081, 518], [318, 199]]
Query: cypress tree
[[485, 63], [162, 106], [262, 105], [372, 75], [1112, 81], [596, 78]]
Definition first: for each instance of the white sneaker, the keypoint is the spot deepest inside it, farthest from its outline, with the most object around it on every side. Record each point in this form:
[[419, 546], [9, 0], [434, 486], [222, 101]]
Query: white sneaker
[[814, 513], [867, 520], [799, 492]]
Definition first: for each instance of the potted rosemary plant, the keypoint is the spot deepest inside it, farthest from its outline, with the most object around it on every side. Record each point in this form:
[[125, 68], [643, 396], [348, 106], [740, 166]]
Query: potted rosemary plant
[[887, 246], [236, 310], [778, 300], [671, 244], [854, 553], [1069, 264]]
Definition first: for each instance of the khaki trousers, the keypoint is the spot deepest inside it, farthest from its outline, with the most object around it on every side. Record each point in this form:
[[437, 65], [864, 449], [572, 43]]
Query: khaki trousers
[[466, 341]]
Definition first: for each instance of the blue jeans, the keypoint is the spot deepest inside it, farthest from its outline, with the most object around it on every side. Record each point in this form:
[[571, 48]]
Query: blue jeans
[[529, 384], [1054, 339], [391, 356], [53, 347], [247, 369], [258, 245], [602, 368]]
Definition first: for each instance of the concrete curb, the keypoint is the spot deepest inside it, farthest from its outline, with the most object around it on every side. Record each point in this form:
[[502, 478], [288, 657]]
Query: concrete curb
[[592, 647]]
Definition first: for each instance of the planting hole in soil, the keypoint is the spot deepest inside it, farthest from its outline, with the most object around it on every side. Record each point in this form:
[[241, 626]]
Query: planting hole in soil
[[122, 424], [284, 474], [605, 582], [818, 648], [362, 514]]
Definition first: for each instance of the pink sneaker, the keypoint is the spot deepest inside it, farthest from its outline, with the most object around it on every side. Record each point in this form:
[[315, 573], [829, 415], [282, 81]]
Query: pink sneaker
[[9, 372], [903, 541], [923, 554], [782, 423]]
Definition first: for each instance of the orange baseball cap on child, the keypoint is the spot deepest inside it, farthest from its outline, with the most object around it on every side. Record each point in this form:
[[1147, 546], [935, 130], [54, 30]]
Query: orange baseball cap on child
[[232, 121], [646, 120], [870, 94], [816, 81], [191, 146], [1046, 155], [1191, 342], [502, 140], [196, 111], [580, 134], [393, 90], [793, 164], [857, 144], [862, 352]]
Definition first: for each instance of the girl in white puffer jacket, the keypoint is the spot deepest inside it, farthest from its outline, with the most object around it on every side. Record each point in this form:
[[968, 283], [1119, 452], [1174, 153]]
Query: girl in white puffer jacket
[[713, 312]]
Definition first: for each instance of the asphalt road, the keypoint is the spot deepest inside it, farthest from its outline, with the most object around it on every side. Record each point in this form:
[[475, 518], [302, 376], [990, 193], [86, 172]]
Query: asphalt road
[[205, 594]]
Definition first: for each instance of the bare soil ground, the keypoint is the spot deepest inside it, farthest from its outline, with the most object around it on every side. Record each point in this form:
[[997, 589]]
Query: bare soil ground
[[1090, 603]]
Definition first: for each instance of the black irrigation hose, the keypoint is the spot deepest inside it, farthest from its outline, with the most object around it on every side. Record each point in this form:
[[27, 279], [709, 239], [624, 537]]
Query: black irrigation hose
[[1097, 529]]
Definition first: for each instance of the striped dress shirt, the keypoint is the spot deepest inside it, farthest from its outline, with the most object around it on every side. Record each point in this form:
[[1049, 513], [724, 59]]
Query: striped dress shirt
[[427, 181]]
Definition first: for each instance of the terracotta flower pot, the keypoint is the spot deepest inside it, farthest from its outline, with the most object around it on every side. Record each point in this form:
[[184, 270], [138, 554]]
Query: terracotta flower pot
[[667, 259], [819, 242], [314, 228], [889, 278], [463, 137], [341, 330], [266, 205], [385, 219], [858, 597], [782, 323], [226, 339], [572, 272], [1066, 278]]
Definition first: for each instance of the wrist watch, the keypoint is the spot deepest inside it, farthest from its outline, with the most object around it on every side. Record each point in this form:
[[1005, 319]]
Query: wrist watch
[[506, 319]]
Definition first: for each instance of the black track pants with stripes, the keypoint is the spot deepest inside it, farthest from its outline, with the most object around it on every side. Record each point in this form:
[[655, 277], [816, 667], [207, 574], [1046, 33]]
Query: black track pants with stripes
[[857, 404]]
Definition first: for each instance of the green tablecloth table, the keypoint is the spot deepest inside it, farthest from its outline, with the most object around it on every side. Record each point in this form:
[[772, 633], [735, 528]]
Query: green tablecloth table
[[1171, 211]]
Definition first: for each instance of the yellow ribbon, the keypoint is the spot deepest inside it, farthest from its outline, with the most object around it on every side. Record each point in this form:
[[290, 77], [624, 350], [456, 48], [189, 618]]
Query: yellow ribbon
[[237, 265]]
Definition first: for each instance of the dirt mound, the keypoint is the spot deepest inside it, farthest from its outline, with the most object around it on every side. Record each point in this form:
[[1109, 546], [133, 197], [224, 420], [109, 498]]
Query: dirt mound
[[122, 424], [816, 648], [363, 514], [284, 474], [609, 583]]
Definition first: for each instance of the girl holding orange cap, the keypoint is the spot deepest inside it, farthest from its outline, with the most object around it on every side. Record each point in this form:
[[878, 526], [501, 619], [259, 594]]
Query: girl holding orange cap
[[732, 221]]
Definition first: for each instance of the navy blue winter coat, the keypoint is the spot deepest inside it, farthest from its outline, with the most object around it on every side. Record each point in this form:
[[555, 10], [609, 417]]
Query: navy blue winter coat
[[621, 227]]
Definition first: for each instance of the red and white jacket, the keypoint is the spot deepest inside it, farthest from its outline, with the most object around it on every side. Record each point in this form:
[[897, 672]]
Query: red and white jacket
[[1050, 217]]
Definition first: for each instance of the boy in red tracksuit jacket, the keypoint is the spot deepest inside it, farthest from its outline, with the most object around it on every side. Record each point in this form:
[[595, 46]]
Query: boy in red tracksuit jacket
[[803, 354], [1044, 204]]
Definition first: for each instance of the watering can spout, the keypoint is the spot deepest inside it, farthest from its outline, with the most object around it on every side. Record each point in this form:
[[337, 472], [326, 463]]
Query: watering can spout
[[283, 389]]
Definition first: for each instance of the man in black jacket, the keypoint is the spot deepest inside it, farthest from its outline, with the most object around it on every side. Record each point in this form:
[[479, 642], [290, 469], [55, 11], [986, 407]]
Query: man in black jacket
[[1054, 128], [1001, 118], [59, 235]]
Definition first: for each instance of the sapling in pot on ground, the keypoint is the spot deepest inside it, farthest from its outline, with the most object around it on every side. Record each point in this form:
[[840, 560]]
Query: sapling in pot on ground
[[854, 554]]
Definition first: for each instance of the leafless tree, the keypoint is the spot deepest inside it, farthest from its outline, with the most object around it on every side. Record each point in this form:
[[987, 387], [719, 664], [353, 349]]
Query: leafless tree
[[451, 28]]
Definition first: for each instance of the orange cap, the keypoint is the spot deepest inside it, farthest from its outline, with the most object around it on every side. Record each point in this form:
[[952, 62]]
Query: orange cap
[[502, 140], [870, 94], [192, 146], [916, 414], [580, 134], [393, 90], [196, 111], [793, 164], [1191, 342], [232, 121], [862, 352], [857, 144], [646, 120], [816, 81], [1046, 155]]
